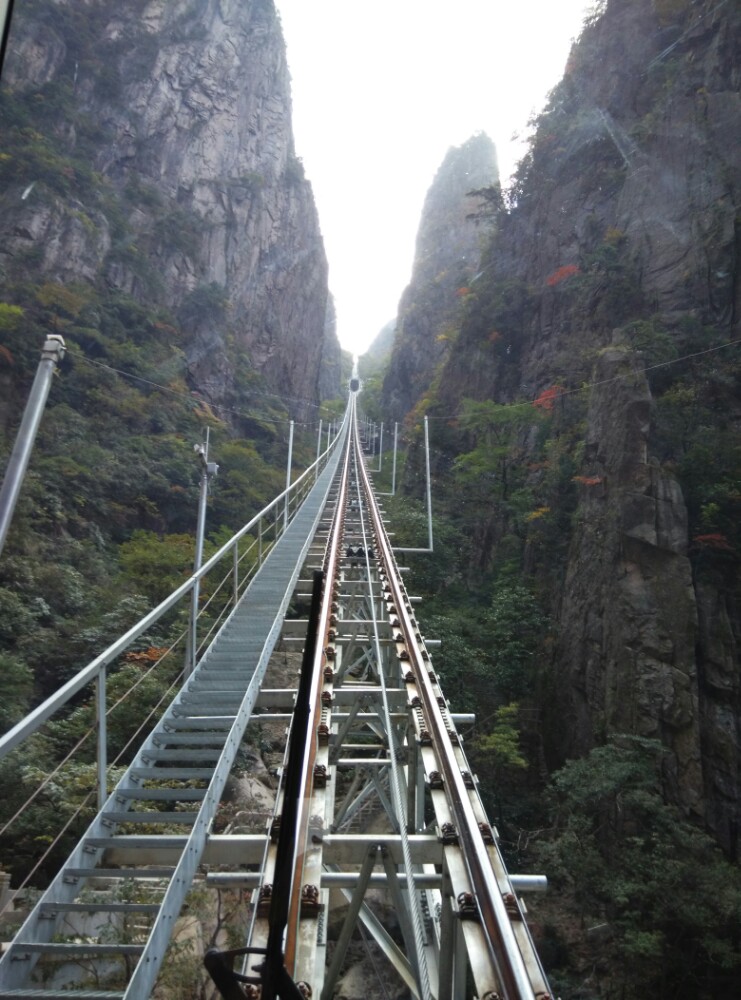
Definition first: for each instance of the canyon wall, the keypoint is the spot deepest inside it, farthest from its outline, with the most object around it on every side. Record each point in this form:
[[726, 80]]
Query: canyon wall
[[609, 287], [153, 143]]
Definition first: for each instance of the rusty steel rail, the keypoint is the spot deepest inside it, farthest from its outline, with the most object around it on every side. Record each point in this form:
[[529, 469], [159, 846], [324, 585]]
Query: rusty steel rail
[[455, 902], [521, 977], [330, 567]]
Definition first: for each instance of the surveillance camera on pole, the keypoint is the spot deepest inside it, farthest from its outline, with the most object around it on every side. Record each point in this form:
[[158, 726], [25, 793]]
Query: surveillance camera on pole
[[208, 471]]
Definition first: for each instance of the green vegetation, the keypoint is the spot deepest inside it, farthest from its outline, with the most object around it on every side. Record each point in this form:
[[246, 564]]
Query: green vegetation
[[642, 903], [105, 524], [664, 904]]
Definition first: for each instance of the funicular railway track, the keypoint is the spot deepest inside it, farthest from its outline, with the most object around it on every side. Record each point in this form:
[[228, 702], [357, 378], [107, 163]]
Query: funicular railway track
[[390, 839], [437, 853]]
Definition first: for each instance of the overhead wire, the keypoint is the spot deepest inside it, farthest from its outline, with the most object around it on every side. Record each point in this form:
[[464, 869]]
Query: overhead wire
[[197, 397], [607, 381]]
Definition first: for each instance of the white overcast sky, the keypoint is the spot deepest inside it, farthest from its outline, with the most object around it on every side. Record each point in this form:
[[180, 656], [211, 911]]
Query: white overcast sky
[[381, 91]]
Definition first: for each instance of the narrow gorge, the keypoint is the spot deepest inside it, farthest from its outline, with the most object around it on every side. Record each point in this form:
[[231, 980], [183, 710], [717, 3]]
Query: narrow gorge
[[570, 340]]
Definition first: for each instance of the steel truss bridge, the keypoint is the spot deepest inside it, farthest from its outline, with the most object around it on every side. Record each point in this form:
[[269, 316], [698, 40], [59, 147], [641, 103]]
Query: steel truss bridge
[[385, 804]]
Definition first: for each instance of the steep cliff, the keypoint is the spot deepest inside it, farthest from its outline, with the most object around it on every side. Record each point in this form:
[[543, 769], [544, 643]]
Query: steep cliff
[[153, 212], [607, 293], [155, 138], [446, 258]]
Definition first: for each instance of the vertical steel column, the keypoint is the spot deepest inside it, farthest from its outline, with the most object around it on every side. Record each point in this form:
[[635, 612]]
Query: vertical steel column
[[380, 450], [348, 927], [6, 14], [51, 354], [100, 699], [446, 961], [414, 948], [413, 789], [208, 469], [460, 960], [318, 449], [429, 483], [288, 474], [420, 817], [393, 474], [236, 573]]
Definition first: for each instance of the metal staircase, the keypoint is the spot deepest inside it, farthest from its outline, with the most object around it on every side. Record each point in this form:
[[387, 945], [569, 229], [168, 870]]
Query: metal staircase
[[135, 864], [378, 797]]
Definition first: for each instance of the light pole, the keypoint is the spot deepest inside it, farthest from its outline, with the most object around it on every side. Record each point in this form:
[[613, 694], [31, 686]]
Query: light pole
[[288, 474], [51, 354], [208, 471]]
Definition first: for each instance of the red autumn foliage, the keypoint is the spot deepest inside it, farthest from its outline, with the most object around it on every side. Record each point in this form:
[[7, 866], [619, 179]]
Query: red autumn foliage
[[561, 274], [588, 480], [167, 328], [150, 655], [547, 398], [462, 291], [714, 540], [494, 336]]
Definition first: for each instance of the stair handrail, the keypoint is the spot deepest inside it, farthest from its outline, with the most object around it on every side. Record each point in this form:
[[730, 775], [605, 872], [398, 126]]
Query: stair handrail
[[43, 712]]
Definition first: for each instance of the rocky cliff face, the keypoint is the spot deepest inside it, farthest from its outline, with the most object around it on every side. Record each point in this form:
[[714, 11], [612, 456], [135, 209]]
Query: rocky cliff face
[[163, 167], [619, 252], [446, 258]]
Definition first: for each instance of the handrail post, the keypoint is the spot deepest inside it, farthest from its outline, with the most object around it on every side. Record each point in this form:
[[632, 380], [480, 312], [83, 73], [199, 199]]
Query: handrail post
[[318, 449], [236, 573], [208, 469], [429, 483], [288, 474], [100, 711], [393, 473]]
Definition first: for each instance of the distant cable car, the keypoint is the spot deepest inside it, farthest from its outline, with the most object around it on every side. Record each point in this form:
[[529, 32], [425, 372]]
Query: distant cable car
[[354, 384]]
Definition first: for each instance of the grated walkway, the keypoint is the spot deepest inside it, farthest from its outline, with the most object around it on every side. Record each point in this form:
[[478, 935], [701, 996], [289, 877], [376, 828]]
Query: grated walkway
[[166, 802]]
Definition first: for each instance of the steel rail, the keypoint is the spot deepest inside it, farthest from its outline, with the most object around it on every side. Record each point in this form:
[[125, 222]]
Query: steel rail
[[504, 950], [419, 964], [330, 567]]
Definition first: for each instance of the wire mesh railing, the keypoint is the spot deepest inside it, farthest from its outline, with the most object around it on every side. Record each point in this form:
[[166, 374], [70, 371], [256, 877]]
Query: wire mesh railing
[[223, 580]]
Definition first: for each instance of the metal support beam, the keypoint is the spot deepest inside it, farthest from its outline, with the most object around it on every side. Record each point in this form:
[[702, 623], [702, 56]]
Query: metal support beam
[[208, 470], [429, 499], [288, 474], [100, 709], [51, 354], [393, 474], [6, 15], [350, 921]]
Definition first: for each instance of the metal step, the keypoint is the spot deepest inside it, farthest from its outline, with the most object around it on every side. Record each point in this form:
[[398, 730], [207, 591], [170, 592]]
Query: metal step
[[166, 841], [162, 794], [194, 754], [55, 994], [65, 950], [190, 744], [189, 739], [151, 872], [185, 722], [96, 906], [150, 817], [171, 773]]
